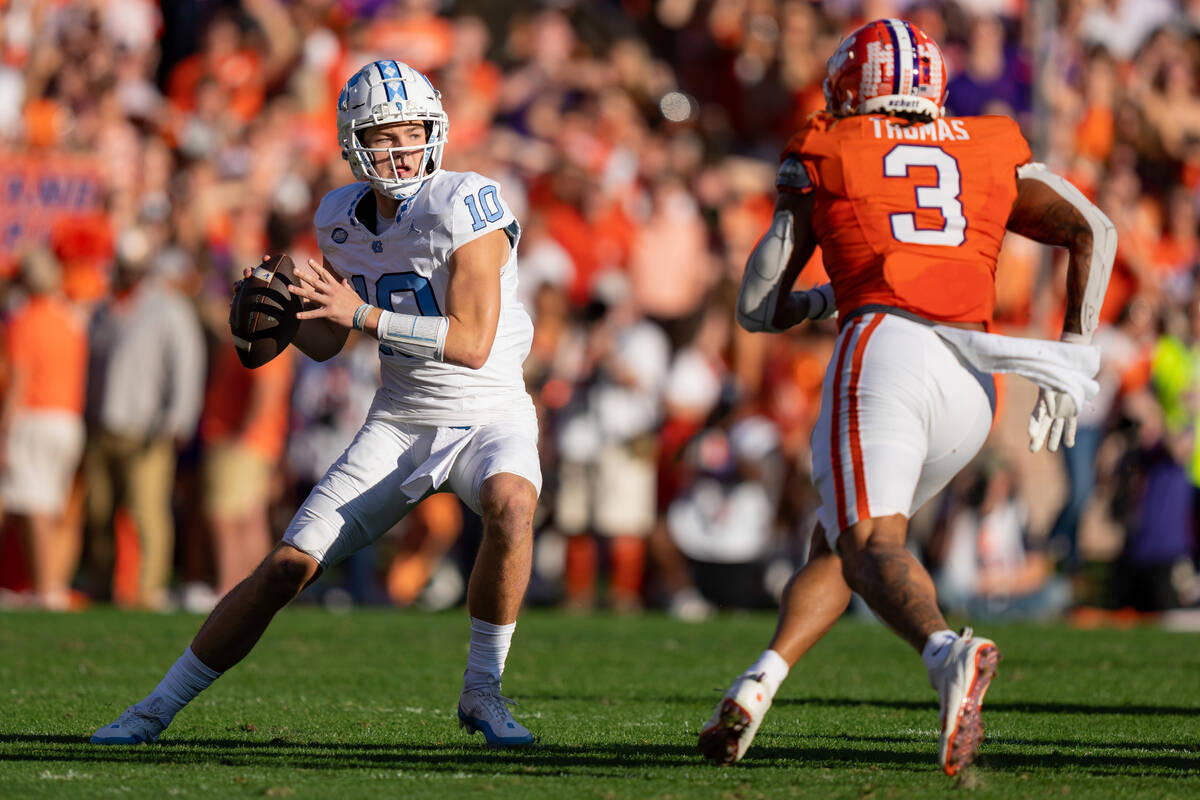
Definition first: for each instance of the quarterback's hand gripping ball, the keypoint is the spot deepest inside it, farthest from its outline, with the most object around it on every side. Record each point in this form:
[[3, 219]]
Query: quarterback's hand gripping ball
[[262, 316]]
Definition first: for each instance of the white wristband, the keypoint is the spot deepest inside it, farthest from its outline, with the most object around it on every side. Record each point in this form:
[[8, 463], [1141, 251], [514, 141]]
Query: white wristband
[[423, 337]]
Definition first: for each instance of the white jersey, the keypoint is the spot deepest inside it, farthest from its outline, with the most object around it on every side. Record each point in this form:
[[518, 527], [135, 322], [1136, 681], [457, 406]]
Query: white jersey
[[406, 269]]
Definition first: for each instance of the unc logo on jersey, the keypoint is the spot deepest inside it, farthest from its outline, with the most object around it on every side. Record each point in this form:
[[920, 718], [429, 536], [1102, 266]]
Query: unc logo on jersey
[[339, 235], [376, 246]]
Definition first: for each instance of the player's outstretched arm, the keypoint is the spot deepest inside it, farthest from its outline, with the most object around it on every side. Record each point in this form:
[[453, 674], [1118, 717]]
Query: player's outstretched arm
[[324, 324], [766, 301], [1050, 210]]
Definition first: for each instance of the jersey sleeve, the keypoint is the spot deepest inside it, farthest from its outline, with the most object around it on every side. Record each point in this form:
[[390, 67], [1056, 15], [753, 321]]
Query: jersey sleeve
[[334, 217], [798, 165], [1004, 139], [477, 208]]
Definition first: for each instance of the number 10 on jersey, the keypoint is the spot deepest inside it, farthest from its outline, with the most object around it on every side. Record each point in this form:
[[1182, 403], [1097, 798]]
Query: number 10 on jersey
[[489, 201]]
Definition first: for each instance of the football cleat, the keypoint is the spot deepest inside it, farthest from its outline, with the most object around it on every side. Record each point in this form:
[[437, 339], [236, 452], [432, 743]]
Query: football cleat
[[137, 725], [961, 681], [486, 710], [727, 735]]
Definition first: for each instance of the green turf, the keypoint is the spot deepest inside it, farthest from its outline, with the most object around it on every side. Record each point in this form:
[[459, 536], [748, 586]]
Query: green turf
[[363, 704]]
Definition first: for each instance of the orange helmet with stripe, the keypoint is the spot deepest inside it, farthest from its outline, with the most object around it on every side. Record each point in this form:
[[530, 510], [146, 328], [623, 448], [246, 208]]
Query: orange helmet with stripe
[[887, 65]]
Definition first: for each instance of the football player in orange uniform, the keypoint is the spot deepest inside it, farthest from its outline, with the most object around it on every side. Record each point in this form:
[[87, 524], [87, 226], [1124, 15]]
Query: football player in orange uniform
[[909, 208]]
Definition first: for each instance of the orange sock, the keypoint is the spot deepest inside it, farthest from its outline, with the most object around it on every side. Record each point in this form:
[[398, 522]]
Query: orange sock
[[628, 556], [580, 568]]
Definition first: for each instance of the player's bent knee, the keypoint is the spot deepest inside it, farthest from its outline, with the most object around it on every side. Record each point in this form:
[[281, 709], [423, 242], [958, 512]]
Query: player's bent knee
[[871, 534], [288, 570], [818, 546], [508, 503]]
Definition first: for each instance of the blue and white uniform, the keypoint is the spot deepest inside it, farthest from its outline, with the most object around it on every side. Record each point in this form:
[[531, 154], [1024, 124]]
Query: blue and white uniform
[[433, 425]]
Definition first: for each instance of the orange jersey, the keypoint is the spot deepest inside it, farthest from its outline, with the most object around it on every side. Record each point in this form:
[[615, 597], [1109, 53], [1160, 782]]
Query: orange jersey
[[228, 402], [911, 215], [46, 341]]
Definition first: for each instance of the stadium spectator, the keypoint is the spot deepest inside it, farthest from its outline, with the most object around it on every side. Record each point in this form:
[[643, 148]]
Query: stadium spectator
[[41, 426], [725, 522], [1125, 352], [145, 389], [987, 570], [1156, 502], [698, 394], [992, 80], [242, 433], [608, 451]]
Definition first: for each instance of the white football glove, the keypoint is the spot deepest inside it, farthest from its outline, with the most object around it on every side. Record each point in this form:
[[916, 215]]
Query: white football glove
[[1053, 420]]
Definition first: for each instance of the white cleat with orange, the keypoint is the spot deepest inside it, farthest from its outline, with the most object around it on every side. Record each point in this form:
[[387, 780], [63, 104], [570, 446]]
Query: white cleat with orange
[[727, 735], [961, 681]]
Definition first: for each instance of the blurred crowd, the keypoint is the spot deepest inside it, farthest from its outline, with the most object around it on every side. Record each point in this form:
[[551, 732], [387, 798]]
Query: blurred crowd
[[150, 152]]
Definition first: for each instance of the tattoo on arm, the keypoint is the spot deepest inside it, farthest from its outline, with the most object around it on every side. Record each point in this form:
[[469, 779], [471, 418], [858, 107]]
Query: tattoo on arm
[[1039, 213]]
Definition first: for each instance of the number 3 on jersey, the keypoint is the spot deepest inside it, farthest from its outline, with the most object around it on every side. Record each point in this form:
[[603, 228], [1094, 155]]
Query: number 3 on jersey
[[941, 197]]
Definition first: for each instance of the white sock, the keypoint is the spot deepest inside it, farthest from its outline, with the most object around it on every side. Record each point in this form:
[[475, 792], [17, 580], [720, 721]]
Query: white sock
[[937, 647], [186, 678], [489, 650], [773, 669]]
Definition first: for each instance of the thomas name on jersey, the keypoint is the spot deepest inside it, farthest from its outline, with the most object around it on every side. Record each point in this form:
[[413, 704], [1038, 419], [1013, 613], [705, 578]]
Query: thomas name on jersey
[[940, 130]]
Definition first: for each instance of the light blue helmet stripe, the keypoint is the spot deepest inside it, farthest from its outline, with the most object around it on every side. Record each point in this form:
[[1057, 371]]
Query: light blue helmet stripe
[[399, 83], [393, 84]]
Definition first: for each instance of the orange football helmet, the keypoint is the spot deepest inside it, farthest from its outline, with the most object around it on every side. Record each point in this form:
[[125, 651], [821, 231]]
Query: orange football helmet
[[887, 65]]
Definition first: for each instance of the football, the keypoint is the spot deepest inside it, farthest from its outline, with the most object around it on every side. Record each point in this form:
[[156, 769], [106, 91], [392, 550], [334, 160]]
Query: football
[[263, 314]]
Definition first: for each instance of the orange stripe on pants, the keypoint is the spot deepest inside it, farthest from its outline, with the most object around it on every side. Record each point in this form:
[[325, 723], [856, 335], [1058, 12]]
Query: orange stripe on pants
[[856, 459], [835, 450]]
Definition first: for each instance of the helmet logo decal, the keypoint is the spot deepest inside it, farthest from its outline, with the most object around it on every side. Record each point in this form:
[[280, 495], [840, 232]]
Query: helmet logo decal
[[887, 65], [339, 235], [879, 56], [392, 82]]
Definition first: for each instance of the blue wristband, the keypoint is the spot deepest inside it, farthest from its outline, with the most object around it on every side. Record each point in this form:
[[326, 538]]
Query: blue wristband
[[360, 316]]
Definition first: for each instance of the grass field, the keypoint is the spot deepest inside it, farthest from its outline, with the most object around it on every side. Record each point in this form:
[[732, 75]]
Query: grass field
[[362, 704]]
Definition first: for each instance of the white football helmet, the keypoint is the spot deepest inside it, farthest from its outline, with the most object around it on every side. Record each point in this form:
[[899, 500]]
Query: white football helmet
[[383, 93]]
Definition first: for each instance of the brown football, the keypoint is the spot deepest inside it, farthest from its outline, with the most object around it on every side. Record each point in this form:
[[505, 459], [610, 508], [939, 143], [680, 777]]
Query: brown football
[[263, 314]]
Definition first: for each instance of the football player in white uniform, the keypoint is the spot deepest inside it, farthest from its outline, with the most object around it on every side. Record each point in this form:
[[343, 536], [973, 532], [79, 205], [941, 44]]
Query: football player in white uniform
[[424, 260]]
